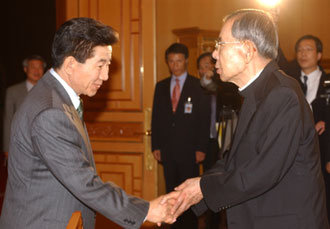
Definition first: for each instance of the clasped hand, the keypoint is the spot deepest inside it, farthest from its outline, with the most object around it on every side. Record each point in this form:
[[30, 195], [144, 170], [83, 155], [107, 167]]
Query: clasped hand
[[168, 207]]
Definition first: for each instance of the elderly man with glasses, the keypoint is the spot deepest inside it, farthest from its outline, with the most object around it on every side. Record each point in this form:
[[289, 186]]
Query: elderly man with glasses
[[271, 178]]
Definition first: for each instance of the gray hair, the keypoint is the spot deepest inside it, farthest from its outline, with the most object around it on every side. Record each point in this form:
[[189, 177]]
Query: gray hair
[[25, 62], [256, 26]]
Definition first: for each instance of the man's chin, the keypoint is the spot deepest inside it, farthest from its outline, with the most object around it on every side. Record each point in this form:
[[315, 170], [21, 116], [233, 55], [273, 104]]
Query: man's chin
[[91, 93]]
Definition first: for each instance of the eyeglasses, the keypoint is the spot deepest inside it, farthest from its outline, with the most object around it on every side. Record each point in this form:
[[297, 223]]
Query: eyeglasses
[[307, 49], [219, 43]]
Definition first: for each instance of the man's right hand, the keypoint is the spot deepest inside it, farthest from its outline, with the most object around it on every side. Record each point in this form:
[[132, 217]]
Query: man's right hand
[[161, 212], [320, 127], [157, 155]]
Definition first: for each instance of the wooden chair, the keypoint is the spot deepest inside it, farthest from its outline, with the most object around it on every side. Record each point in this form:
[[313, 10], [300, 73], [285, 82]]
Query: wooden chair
[[75, 221]]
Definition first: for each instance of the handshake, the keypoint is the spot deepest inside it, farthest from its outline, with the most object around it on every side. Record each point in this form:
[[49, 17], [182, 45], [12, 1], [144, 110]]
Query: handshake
[[168, 207]]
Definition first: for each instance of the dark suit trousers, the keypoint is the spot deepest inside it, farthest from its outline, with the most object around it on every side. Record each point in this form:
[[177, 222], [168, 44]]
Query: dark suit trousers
[[175, 173]]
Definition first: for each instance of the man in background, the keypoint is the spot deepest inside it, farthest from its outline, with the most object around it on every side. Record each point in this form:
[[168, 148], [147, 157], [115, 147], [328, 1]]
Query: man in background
[[34, 67], [180, 125], [225, 103], [311, 78]]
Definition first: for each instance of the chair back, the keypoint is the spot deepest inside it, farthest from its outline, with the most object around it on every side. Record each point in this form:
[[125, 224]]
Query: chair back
[[75, 221]]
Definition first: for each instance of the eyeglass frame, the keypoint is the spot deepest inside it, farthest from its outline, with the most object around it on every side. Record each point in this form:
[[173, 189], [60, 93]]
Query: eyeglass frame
[[219, 43]]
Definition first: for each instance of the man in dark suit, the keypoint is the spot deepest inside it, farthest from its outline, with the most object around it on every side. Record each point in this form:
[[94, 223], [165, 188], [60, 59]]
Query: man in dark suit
[[225, 103], [311, 78], [34, 67], [51, 169], [180, 125], [271, 177]]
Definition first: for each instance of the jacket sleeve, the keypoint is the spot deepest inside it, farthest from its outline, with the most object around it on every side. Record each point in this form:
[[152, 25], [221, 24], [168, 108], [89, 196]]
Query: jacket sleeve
[[61, 148]]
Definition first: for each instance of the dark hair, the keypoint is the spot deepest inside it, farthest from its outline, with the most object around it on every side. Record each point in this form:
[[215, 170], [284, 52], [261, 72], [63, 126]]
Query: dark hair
[[78, 37], [177, 48], [203, 55], [256, 26], [318, 42], [25, 62]]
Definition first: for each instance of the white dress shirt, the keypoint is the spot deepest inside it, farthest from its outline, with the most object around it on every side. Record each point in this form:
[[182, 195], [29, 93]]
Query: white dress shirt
[[73, 95]]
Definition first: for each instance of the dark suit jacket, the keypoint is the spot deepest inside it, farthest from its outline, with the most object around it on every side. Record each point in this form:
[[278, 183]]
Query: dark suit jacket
[[321, 112], [14, 98], [271, 178], [179, 135], [51, 169]]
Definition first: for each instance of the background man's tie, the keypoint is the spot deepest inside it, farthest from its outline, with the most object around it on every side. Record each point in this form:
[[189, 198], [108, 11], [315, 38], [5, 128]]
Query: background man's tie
[[175, 95], [304, 87]]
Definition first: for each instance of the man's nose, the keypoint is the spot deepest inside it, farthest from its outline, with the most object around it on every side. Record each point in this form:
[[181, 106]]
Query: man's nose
[[104, 75], [215, 54]]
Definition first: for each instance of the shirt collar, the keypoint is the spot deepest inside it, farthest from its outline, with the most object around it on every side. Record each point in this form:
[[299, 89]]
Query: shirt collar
[[29, 85], [251, 81], [316, 72], [181, 78], [75, 99]]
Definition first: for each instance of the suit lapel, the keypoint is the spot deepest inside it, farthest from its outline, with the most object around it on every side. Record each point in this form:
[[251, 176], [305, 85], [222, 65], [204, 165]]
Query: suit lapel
[[167, 89], [65, 103], [253, 94], [246, 113], [320, 89], [73, 116]]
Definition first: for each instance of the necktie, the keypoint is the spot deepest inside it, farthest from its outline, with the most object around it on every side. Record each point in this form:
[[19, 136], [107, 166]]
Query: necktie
[[304, 87], [80, 109], [175, 95]]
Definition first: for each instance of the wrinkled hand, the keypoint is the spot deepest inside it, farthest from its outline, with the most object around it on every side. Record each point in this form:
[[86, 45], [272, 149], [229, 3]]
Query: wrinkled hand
[[156, 154], [189, 193], [200, 156], [320, 127], [161, 212]]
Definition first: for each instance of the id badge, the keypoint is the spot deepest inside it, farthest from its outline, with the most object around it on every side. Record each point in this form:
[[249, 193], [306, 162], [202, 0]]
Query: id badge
[[188, 106]]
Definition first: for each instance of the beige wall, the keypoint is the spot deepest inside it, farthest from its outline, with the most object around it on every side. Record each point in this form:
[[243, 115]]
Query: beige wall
[[297, 18]]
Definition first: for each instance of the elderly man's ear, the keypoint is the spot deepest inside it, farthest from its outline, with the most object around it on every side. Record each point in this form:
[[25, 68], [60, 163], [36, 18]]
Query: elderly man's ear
[[249, 50]]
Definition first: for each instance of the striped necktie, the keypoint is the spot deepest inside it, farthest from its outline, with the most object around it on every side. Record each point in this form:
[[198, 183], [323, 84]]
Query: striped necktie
[[80, 110], [175, 95]]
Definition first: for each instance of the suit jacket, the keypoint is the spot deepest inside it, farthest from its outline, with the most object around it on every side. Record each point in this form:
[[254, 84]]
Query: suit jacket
[[14, 98], [51, 170], [271, 177], [179, 135], [321, 112]]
